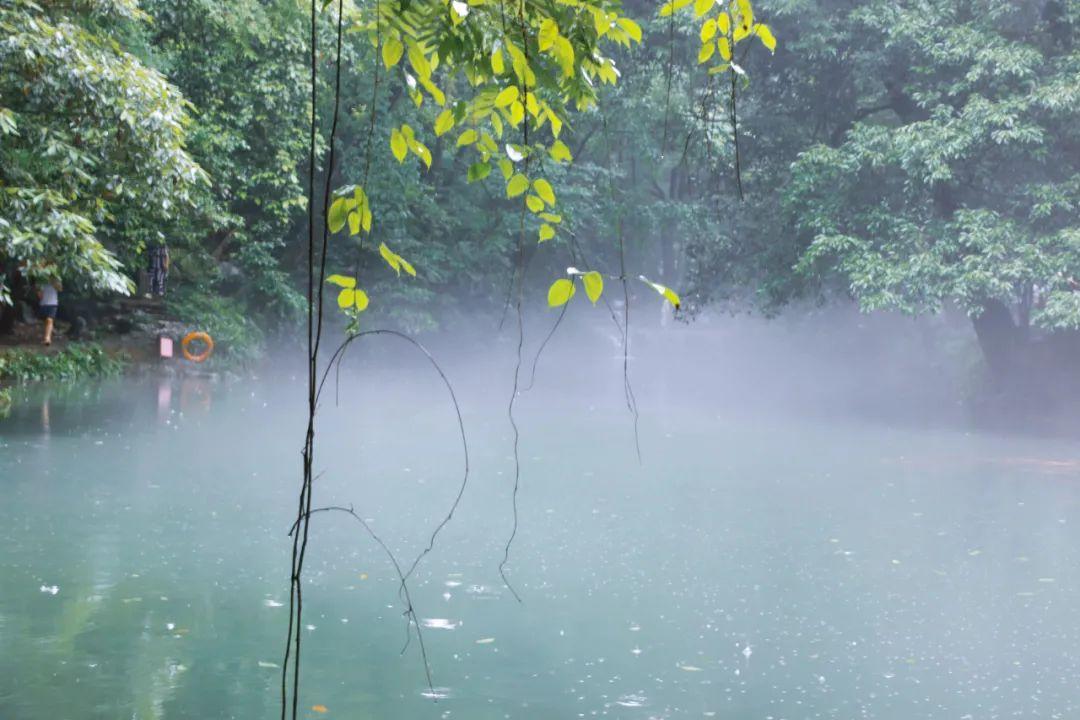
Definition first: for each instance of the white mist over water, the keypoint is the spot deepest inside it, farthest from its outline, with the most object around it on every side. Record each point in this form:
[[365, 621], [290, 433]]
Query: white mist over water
[[795, 543]]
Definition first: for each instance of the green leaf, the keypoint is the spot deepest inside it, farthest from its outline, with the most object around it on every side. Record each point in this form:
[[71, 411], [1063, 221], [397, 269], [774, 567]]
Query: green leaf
[[398, 145], [551, 217], [497, 65], [506, 167], [335, 217], [560, 152], [594, 285], [546, 232], [507, 96], [479, 171], [543, 189], [342, 281], [534, 203], [560, 292], [392, 50], [517, 185], [354, 222]]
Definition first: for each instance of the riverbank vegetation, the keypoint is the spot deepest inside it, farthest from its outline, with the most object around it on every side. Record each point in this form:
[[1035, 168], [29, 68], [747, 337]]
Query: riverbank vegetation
[[77, 361]]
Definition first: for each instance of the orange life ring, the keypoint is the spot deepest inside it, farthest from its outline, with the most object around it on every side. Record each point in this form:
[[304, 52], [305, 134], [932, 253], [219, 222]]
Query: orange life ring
[[199, 335]]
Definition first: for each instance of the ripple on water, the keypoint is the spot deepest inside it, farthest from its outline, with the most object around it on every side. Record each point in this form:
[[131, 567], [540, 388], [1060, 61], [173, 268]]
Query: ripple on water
[[632, 700], [438, 693]]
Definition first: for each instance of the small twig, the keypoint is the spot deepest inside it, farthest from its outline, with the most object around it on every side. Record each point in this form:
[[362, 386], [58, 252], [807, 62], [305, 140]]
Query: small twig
[[410, 610]]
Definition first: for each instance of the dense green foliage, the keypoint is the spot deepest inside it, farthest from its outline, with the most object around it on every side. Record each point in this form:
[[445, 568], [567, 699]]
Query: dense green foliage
[[925, 154], [91, 135], [76, 361], [913, 156]]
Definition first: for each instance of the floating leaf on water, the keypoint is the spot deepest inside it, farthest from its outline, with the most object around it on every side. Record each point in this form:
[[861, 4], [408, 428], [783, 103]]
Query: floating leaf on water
[[690, 668], [271, 603], [319, 708], [485, 641]]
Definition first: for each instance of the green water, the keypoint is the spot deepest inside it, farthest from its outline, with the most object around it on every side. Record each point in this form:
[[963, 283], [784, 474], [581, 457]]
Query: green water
[[750, 568]]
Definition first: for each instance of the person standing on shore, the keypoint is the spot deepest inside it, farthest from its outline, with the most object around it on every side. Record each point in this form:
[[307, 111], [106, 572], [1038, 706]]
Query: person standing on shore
[[48, 303], [159, 268]]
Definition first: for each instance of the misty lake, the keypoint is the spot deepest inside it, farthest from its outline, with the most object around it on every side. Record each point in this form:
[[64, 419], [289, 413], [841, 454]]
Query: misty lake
[[753, 566]]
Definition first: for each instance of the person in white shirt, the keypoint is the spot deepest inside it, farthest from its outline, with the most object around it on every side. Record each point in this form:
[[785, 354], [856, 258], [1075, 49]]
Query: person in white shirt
[[48, 302]]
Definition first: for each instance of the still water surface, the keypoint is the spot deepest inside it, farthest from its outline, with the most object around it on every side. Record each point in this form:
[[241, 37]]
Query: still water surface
[[752, 567]]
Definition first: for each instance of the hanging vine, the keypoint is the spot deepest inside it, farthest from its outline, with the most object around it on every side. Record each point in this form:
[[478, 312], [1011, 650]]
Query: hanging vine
[[534, 74]]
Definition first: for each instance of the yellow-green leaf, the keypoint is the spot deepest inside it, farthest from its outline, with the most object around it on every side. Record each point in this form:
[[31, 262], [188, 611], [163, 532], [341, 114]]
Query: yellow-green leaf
[[551, 217], [444, 122], [766, 36], [392, 50], [354, 221], [418, 61], [517, 185], [560, 152], [594, 285], [506, 167], [507, 96], [423, 153], [560, 292], [346, 298], [342, 281], [467, 138], [632, 28], [723, 23], [706, 52], [335, 217], [497, 65], [517, 112], [665, 291], [390, 257], [398, 145], [534, 203], [708, 30], [543, 189], [702, 6], [549, 31], [546, 232], [725, 48], [746, 14], [360, 300]]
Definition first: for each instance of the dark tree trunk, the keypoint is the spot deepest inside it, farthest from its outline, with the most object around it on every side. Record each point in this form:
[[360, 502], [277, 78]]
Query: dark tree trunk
[[1000, 340]]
